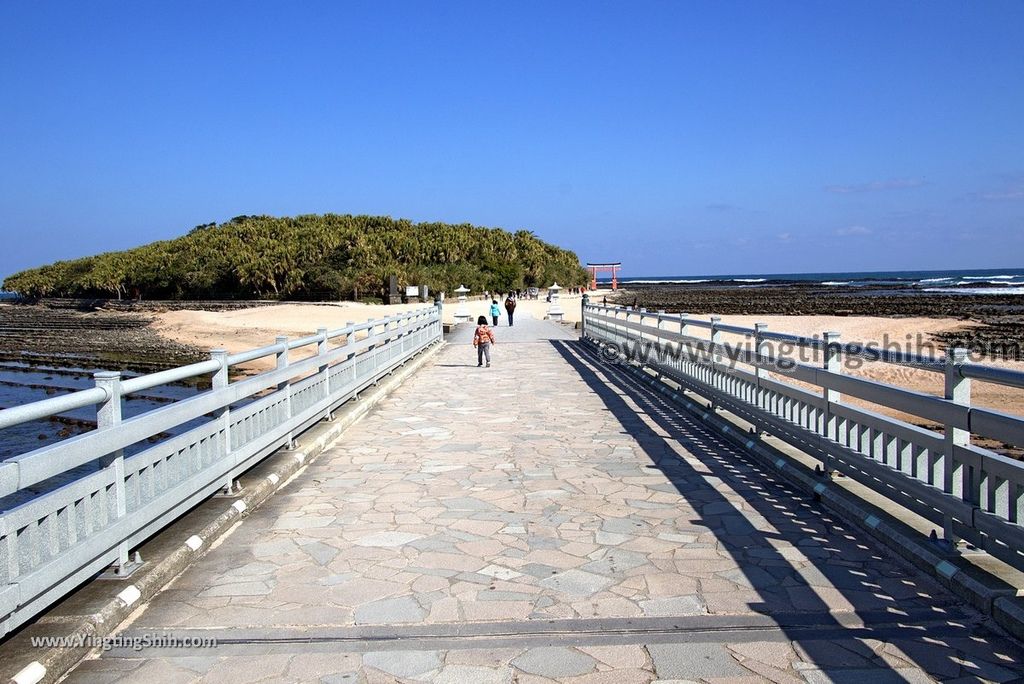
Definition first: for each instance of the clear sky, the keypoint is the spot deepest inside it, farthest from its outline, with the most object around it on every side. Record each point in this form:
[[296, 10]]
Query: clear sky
[[678, 137]]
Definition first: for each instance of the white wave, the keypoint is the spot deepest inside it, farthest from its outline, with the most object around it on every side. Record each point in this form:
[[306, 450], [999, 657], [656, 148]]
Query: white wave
[[749, 280], [934, 280], [990, 282], [836, 282], [977, 290], [998, 277]]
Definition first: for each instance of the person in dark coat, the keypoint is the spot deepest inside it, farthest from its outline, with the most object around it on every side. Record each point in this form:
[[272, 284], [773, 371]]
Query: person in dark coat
[[510, 307]]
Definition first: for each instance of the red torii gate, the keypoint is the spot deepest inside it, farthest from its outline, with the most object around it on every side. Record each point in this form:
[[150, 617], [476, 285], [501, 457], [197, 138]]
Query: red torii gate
[[596, 268]]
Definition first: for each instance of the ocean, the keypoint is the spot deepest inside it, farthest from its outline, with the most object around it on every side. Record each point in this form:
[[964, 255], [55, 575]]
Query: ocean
[[25, 381], [1001, 281]]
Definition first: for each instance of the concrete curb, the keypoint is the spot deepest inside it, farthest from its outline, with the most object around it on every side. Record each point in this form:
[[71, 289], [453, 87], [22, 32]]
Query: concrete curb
[[55, 661], [972, 584]]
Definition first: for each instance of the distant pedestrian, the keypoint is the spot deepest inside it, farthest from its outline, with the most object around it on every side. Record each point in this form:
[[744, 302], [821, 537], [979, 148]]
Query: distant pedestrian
[[483, 338], [495, 312], [510, 308]]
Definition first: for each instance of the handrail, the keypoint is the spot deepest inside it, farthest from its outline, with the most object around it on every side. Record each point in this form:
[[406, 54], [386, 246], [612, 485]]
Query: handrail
[[144, 382], [253, 354], [993, 374], [928, 363], [52, 406], [972, 492], [49, 496]]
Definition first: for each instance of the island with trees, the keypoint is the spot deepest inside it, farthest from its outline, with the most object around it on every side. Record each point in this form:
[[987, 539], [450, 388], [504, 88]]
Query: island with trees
[[309, 257]]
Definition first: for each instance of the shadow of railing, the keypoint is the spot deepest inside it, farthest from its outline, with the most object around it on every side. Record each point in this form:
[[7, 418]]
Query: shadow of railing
[[805, 559]]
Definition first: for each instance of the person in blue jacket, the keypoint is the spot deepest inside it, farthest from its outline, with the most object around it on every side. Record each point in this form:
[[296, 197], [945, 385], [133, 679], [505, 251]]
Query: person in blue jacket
[[495, 311]]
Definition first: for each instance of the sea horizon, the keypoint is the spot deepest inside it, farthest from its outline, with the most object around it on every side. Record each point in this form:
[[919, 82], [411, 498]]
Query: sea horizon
[[940, 281]]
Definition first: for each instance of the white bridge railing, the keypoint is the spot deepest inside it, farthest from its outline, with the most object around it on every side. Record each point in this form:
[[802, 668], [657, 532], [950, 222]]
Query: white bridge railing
[[974, 493], [71, 509]]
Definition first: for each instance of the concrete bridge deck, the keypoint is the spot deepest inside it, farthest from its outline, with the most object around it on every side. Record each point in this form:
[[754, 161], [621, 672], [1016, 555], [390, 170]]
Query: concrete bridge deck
[[548, 519]]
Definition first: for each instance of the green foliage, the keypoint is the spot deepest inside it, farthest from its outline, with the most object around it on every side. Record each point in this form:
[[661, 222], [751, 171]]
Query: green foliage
[[309, 257]]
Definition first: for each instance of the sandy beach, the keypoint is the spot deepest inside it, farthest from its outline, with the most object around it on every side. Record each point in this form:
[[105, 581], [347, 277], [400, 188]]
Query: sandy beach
[[243, 329]]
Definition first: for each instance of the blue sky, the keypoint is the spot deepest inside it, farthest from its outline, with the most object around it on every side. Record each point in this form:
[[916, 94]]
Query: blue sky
[[678, 137]]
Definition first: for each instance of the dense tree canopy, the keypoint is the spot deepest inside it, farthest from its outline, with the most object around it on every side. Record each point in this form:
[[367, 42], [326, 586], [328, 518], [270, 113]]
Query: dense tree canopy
[[309, 257]]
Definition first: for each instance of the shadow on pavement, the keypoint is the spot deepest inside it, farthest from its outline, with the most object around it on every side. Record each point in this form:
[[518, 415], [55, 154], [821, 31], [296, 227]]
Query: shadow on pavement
[[796, 556]]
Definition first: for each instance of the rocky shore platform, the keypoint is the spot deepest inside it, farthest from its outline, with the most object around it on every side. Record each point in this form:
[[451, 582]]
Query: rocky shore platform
[[1000, 318], [62, 332]]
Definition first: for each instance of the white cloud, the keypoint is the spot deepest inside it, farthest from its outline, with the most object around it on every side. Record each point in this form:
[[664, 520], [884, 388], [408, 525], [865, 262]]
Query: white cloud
[[853, 230], [875, 186], [1008, 193]]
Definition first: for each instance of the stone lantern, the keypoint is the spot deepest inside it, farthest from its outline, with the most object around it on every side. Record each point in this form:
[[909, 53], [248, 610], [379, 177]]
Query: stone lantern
[[462, 312], [555, 308]]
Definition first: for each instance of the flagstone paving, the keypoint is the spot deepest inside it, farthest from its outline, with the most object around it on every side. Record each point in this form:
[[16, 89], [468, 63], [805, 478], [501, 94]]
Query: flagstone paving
[[547, 520]]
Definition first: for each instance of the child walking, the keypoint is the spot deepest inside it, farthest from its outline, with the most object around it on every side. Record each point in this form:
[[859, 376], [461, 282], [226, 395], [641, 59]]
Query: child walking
[[495, 312], [483, 338]]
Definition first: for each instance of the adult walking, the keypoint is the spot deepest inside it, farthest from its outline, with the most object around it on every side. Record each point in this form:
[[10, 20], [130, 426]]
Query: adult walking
[[510, 308]]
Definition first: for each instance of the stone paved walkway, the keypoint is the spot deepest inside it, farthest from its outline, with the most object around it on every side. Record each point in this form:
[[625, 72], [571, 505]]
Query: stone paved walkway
[[548, 520]]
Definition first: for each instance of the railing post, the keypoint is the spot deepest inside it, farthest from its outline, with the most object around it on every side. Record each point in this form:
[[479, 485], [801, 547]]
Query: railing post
[[371, 335], [957, 390], [325, 370], [716, 339], [286, 386], [350, 356], [583, 315], [108, 416], [439, 303], [684, 347], [217, 382], [626, 332], [759, 348], [660, 351], [832, 362]]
